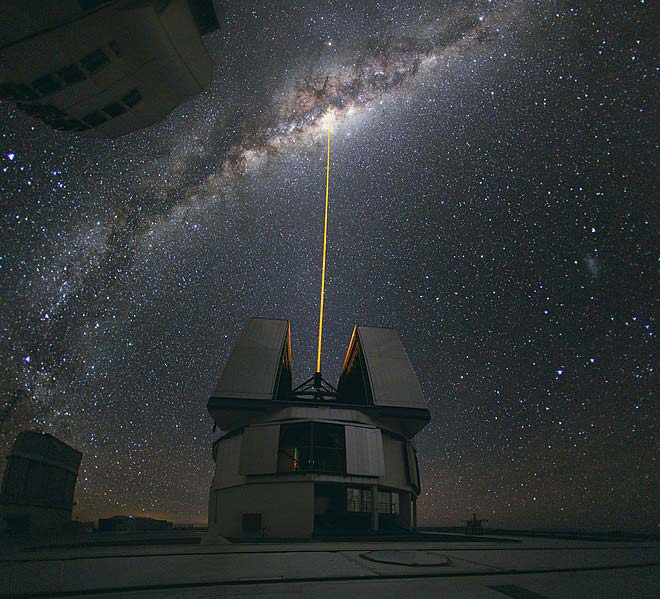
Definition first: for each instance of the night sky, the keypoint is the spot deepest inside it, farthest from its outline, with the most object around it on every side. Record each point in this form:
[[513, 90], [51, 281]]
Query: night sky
[[492, 199]]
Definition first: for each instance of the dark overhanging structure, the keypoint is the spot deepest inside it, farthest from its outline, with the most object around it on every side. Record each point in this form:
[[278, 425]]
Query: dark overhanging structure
[[104, 68], [315, 460], [38, 484]]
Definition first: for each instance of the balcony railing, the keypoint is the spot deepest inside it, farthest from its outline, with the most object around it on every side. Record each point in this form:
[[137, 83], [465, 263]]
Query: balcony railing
[[312, 459], [364, 505]]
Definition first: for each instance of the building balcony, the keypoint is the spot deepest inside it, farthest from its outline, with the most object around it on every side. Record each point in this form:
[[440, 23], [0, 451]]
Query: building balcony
[[309, 458]]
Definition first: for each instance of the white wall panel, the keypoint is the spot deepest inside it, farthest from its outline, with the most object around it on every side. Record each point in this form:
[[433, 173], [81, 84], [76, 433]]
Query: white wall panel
[[413, 471], [227, 461], [259, 449], [396, 472], [287, 509], [364, 451]]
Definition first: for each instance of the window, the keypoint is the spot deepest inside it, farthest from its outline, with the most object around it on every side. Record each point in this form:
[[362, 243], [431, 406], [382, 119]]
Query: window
[[43, 111], [312, 446], [114, 109], [294, 447], [329, 445], [46, 85], [358, 500], [94, 61], [71, 74], [66, 124], [94, 119], [17, 92], [53, 116], [388, 502], [132, 98]]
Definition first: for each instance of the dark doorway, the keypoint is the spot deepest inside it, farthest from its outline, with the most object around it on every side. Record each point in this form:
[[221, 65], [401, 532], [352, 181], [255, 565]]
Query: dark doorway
[[332, 516]]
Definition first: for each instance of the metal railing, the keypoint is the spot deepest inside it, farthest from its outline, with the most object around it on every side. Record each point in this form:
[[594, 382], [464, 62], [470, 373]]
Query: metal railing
[[308, 458], [357, 505]]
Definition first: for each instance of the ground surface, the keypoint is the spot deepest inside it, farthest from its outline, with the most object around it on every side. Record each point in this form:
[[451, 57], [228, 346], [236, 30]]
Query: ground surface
[[147, 565]]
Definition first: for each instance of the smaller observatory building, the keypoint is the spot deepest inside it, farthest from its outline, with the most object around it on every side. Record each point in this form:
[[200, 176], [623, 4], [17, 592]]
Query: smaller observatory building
[[315, 460], [38, 484]]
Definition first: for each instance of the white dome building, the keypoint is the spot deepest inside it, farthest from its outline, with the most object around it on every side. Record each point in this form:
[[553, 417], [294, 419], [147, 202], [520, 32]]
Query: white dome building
[[314, 461]]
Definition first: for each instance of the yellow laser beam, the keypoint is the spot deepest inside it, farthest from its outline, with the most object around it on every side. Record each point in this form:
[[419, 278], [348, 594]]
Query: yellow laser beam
[[325, 247]]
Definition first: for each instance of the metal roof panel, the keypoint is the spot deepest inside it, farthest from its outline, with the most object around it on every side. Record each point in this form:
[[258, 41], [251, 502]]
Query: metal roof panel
[[256, 362], [391, 376]]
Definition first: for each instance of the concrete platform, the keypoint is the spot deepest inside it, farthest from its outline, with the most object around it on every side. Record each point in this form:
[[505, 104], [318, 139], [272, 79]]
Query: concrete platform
[[520, 567]]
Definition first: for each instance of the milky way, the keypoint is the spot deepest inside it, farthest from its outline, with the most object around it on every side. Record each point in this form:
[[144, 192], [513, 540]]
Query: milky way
[[328, 96], [491, 175], [294, 117]]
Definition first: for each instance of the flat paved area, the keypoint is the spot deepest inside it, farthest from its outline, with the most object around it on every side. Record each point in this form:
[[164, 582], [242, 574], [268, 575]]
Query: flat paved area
[[523, 568]]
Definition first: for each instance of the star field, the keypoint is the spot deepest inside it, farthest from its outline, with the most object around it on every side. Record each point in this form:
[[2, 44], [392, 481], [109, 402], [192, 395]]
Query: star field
[[491, 198]]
